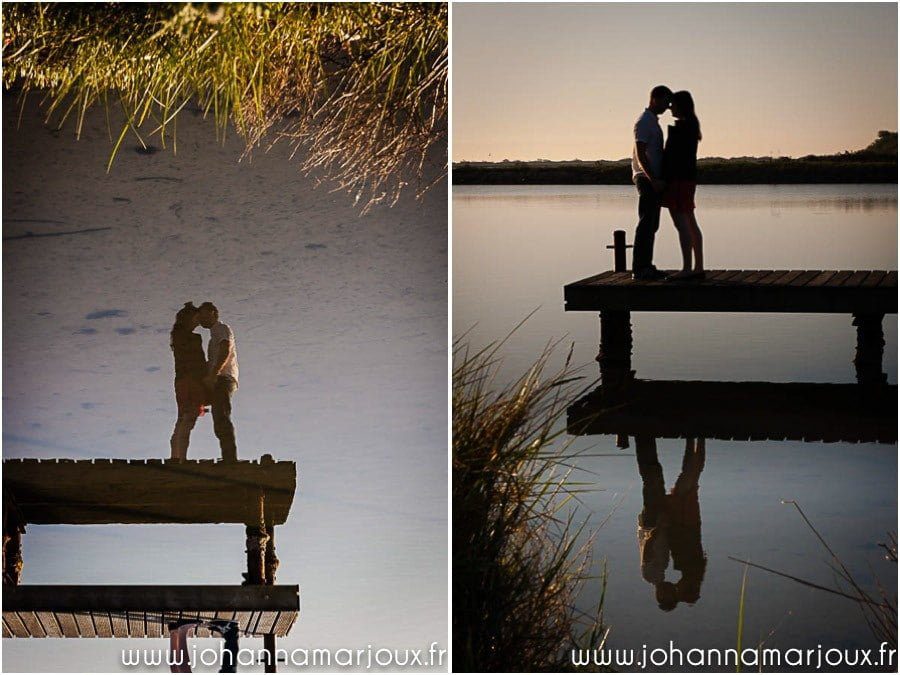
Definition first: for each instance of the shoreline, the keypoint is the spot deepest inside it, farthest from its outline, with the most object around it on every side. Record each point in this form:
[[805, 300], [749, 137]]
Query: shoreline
[[710, 172]]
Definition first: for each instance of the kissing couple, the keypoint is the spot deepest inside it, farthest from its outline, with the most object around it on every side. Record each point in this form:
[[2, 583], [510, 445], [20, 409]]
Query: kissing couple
[[666, 175]]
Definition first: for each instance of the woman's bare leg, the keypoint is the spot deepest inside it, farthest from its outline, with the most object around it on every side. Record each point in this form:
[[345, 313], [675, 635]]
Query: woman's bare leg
[[682, 224], [696, 242], [181, 436]]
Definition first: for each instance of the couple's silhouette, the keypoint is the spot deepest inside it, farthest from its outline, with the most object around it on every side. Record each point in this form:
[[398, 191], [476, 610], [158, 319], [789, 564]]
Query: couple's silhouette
[[667, 176], [202, 379]]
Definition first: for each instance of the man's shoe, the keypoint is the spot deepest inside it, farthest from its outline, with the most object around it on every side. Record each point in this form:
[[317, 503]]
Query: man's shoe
[[650, 274]]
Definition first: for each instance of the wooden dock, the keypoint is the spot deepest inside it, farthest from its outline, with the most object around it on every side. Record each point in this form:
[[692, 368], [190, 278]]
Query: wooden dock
[[865, 294], [741, 411], [796, 291], [257, 494], [144, 611], [134, 491]]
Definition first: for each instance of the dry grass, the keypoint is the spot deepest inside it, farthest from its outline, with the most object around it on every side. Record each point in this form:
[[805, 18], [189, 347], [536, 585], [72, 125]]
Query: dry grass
[[359, 91], [517, 567]]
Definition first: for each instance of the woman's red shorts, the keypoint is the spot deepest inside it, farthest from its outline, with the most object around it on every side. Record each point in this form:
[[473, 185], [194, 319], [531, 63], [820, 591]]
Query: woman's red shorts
[[679, 195], [190, 395]]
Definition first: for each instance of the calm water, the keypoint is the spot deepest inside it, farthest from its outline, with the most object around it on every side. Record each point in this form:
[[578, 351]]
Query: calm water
[[515, 247], [340, 323]]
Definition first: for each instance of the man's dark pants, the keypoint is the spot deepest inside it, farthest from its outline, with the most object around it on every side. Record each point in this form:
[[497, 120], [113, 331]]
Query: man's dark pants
[[221, 414], [648, 224]]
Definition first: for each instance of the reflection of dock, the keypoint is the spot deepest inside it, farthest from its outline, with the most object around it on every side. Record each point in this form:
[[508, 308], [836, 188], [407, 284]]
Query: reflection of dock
[[257, 494], [739, 411]]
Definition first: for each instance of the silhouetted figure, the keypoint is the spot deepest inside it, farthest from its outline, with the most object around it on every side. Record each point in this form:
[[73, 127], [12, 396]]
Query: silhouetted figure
[[221, 378], [190, 369], [647, 175], [680, 175], [669, 524]]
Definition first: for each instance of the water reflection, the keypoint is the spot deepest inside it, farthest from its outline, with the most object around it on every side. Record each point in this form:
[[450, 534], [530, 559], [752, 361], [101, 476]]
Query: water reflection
[[669, 524], [802, 411]]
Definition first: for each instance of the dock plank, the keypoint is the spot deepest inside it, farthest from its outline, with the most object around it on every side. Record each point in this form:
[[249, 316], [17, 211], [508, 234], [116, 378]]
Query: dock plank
[[103, 624], [85, 624], [873, 279], [33, 624], [839, 278], [890, 280], [856, 279], [804, 278], [266, 623], [773, 277], [789, 277], [716, 275], [727, 276], [68, 624], [16, 626], [597, 277], [821, 279]]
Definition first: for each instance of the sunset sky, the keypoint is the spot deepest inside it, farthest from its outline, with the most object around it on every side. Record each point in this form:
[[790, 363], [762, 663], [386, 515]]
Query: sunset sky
[[567, 81]]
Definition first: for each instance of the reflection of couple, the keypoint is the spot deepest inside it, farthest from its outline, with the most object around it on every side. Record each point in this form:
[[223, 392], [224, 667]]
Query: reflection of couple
[[670, 523], [203, 378], [667, 177]]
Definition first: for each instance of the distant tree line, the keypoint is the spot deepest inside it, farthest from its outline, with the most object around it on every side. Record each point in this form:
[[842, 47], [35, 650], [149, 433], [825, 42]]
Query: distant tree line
[[877, 163]]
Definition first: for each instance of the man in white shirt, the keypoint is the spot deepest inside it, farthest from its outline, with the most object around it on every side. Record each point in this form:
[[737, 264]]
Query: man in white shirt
[[646, 172], [222, 377]]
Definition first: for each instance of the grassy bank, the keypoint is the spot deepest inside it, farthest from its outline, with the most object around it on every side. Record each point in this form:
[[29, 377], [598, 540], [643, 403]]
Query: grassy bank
[[875, 164], [516, 565]]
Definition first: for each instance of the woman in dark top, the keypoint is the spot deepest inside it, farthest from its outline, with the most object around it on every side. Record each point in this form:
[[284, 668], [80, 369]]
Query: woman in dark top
[[680, 175], [190, 367]]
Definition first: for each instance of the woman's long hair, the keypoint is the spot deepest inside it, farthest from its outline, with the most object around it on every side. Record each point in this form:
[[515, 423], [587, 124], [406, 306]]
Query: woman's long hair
[[685, 103], [184, 315]]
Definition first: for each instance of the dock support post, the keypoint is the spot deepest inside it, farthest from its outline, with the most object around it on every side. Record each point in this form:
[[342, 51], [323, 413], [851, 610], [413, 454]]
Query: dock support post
[[257, 541], [267, 563], [271, 562], [869, 349], [615, 349], [269, 653]]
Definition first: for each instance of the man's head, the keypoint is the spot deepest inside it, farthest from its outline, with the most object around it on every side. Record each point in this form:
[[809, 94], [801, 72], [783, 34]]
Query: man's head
[[209, 315], [666, 596], [660, 97]]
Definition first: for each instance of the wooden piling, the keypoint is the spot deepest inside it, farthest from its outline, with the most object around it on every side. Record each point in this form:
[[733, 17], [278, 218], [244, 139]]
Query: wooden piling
[[869, 349], [257, 540], [614, 355], [619, 246]]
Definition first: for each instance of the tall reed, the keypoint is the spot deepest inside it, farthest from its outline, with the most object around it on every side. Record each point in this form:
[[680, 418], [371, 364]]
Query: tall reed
[[517, 566]]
